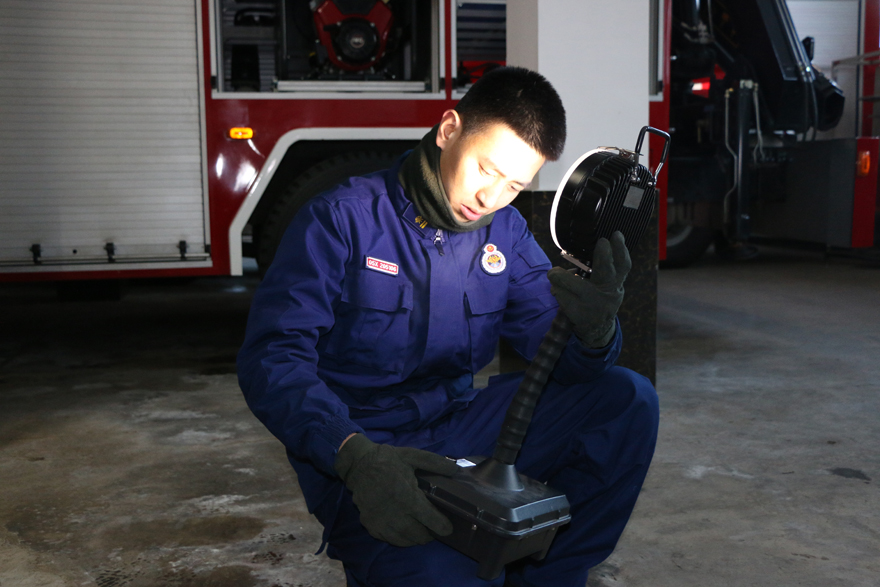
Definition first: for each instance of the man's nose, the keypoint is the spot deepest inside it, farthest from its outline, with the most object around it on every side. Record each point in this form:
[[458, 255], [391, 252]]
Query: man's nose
[[488, 196]]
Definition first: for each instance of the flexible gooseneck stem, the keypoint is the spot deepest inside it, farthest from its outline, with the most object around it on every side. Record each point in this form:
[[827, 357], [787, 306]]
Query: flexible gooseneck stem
[[519, 414]]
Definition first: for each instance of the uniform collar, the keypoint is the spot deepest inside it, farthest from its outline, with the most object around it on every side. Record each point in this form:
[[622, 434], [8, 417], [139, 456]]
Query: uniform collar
[[403, 205]]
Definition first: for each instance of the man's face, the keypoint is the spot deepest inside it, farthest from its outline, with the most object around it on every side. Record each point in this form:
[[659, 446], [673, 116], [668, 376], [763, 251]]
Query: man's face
[[483, 171]]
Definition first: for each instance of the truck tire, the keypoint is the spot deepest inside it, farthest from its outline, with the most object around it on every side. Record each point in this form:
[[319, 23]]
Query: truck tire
[[311, 182], [685, 241]]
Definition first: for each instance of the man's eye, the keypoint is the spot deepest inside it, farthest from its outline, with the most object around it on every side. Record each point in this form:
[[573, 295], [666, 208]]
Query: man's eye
[[484, 172]]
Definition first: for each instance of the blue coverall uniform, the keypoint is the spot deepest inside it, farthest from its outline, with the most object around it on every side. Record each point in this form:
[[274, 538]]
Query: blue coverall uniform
[[369, 320]]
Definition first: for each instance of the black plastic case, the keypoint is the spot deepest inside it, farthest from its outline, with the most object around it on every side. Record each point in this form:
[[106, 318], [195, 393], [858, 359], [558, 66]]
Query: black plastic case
[[496, 526]]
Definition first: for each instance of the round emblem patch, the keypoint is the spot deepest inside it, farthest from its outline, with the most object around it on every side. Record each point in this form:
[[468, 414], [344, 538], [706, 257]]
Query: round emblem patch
[[493, 261]]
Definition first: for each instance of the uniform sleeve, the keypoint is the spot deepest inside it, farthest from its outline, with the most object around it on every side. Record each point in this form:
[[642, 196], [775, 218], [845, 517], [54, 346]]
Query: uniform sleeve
[[531, 309], [291, 310]]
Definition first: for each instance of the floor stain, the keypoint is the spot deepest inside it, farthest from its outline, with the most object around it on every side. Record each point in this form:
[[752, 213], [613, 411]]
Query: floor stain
[[227, 576], [187, 532], [271, 558], [849, 473]]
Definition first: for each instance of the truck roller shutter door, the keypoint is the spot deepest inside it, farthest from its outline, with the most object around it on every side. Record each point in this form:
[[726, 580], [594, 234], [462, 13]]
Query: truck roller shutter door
[[101, 137]]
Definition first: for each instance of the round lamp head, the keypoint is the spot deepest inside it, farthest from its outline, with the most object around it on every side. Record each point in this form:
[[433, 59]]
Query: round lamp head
[[604, 191]]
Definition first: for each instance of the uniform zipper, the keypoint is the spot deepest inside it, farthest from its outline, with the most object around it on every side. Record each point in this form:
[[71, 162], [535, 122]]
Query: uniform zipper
[[438, 237]]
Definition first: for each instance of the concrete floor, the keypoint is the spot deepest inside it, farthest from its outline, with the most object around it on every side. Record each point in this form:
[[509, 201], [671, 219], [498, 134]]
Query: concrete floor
[[128, 458]]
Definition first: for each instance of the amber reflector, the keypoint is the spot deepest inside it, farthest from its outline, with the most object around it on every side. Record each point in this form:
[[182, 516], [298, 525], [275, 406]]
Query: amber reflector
[[241, 133], [864, 163]]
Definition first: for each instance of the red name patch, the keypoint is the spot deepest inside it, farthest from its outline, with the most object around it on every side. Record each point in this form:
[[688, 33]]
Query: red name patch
[[383, 266]]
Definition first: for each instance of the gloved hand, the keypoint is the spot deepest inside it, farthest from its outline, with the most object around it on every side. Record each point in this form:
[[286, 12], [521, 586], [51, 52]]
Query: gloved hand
[[591, 304], [384, 488]]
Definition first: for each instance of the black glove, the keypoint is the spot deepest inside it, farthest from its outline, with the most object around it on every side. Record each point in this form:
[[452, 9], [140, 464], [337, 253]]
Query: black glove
[[591, 304], [384, 488]]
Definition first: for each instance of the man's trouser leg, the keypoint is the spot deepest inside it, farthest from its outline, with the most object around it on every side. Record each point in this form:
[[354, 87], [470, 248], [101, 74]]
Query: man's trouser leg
[[594, 441]]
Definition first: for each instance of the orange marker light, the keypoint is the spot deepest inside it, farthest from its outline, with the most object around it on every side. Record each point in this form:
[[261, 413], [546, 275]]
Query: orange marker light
[[864, 163], [241, 133]]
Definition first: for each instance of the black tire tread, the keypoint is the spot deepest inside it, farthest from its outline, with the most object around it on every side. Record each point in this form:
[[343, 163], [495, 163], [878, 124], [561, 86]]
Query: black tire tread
[[316, 179], [690, 249]]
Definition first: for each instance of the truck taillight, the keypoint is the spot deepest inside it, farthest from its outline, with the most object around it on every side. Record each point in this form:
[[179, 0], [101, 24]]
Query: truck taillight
[[241, 132], [700, 87]]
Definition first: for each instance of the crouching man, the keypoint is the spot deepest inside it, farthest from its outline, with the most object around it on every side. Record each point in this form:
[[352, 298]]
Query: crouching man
[[388, 293]]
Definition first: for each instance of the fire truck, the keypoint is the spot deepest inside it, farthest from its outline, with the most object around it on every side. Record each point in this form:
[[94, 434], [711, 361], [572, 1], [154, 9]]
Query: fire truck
[[158, 138], [774, 134], [149, 138]]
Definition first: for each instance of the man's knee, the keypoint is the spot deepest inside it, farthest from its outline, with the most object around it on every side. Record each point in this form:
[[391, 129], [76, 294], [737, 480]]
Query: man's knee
[[637, 387], [639, 422], [609, 422], [620, 392]]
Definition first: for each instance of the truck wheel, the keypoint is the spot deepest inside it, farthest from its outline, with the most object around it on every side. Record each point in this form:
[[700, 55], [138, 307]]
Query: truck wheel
[[311, 182], [685, 241]]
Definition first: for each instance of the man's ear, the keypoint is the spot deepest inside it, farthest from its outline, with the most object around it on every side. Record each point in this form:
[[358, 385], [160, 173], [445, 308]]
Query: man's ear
[[449, 129]]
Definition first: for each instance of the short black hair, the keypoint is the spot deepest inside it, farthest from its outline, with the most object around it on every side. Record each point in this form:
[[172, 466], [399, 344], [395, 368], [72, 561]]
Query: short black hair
[[523, 100]]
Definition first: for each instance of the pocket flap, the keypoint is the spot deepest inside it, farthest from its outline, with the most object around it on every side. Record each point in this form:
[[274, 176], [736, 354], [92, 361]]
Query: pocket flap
[[486, 297], [531, 252], [377, 291]]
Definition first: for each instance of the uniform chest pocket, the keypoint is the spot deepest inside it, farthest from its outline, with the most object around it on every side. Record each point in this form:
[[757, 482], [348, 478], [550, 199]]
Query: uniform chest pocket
[[486, 300], [372, 321]]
